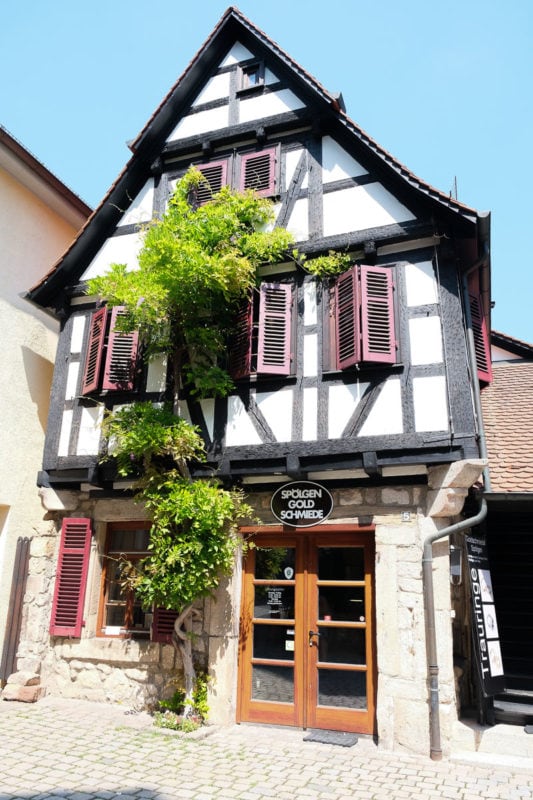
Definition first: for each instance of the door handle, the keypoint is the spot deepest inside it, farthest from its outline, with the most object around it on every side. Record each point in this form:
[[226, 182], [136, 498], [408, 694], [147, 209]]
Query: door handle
[[311, 634]]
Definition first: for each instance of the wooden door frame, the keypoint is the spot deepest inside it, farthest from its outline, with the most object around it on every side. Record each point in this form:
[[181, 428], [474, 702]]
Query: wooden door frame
[[292, 535]]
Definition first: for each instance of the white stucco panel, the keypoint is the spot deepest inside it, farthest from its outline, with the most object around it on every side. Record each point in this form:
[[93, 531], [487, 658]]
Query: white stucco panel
[[156, 377], [64, 436], [342, 402], [310, 365], [385, 416], [116, 250], [337, 164], [298, 223], [291, 162], [425, 337], [268, 105], [208, 410], [72, 380], [78, 329], [240, 429], [270, 77], [202, 122], [216, 88], [310, 414], [420, 284], [141, 210], [430, 403], [90, 431], [310, 309], [277, 409], [237, 53], [361, 207]]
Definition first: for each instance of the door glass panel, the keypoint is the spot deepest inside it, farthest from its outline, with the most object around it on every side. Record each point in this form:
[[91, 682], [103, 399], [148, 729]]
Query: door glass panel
[[341, 689], [342, 645], [274, 641], [274, 602], [341, 564], [341, 603], [273, 683], [274, 563]]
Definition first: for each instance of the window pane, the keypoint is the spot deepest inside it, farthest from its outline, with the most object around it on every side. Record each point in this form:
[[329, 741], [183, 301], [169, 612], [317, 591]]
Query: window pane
[[341, 564], [337, 603], [274, 641], [274, 602], [273, 683], [342, 689], [274, 563], [129, 541], [342, 645]]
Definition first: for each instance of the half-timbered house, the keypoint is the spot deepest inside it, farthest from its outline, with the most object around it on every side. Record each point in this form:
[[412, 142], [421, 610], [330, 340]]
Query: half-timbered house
[[352, 426]]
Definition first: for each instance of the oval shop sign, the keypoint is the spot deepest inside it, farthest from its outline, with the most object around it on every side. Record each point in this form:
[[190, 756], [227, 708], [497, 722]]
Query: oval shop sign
[[301, 504]]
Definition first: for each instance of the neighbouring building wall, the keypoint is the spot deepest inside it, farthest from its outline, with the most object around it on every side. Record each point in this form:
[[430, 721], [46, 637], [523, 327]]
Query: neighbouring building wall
[[36, 225]]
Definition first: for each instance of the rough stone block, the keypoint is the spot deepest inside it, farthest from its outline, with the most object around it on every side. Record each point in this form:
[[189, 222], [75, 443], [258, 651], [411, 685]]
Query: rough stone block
[[58, 501], [23, 679], [23, 694], [459, 475], [445, 502]]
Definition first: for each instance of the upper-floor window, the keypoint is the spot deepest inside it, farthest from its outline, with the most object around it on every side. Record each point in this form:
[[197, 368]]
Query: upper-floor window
[[258, 170], [111, 357], [361, 317], [251, 75], [359, 325]]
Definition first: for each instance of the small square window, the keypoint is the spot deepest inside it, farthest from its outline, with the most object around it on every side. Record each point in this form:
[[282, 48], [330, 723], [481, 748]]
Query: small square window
[[252, 75]]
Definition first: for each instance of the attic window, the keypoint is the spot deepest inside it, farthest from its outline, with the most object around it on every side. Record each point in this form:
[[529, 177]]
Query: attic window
[[252, 76]]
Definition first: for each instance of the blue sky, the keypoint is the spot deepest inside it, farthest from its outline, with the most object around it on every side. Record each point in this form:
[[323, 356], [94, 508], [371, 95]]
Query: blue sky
[[444, 87]]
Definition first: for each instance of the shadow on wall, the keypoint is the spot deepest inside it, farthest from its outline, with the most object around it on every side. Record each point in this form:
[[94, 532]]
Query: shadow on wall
[[39, 372]]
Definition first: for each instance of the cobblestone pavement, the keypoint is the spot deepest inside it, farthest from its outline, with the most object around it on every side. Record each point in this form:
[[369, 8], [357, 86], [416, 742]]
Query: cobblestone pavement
[[87, 751]]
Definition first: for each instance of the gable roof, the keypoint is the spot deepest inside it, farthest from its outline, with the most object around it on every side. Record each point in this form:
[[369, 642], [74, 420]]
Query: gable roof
[[233, 26], [508, 417]]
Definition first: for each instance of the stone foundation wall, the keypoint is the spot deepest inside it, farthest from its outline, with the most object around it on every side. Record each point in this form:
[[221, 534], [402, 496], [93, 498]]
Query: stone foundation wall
[[138, 673]]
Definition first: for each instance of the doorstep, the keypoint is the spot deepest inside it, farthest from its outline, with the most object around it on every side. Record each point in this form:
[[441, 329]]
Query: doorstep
[[501, 744]]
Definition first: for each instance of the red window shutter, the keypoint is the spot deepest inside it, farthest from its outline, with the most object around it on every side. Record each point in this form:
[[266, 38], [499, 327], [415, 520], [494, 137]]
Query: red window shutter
[[121, 356], [71, 578], [377, 315], [347, 326], [258, 172], [274, 341], [216, 176], [163, 625], [91, 373], [479, 329], [240, 351]]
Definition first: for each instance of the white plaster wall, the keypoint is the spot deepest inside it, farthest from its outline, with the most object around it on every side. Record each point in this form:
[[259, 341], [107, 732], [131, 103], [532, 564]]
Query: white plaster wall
[[277, 408], [217, 88], [337, 164], [342, 402], [386, 415], [240, 429], [298, 223], [420, 284], [141, 209], [202, 122], [116, 250], [425, 336], [430, 403], [237, 53], [268, 105], [33, 236], [310, 414], [362, 207]]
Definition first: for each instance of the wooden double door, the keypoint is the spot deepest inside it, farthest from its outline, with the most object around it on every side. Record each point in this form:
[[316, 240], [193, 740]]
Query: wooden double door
[[307, 653]]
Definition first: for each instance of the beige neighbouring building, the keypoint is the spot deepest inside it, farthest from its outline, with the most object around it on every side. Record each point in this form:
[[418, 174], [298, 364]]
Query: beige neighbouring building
[[39, 216]]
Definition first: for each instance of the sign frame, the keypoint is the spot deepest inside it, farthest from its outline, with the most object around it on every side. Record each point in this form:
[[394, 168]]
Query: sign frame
[[301, 504]]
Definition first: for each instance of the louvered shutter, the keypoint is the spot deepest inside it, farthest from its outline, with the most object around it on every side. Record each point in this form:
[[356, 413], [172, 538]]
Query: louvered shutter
[[479, 329], [121, 356], [240, 349], [258, 172], [216, 176], [95, 346], [377, 315], [347, 326], [71, 578], [163, 625], [274, 339]]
